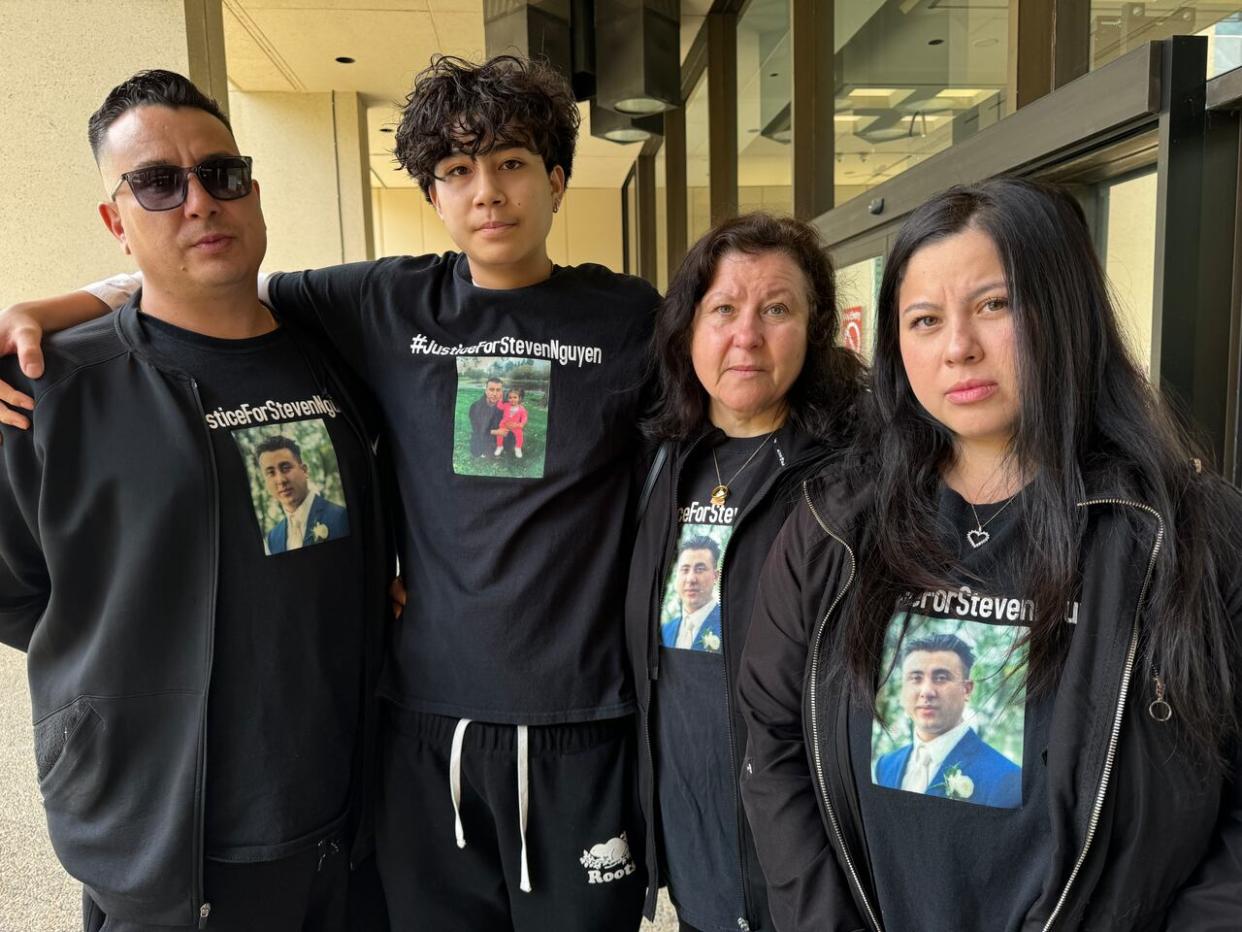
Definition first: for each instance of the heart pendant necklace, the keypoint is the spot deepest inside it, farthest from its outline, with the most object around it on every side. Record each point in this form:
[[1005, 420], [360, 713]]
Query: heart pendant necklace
[[977, 536]]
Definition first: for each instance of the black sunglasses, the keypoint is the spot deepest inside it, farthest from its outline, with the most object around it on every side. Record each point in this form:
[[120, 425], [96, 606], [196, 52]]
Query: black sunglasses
[[163, 187]]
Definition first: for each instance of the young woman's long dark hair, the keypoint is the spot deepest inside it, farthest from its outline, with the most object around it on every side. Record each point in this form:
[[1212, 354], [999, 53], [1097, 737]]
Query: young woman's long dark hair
[[1088, 419], [822, 400]]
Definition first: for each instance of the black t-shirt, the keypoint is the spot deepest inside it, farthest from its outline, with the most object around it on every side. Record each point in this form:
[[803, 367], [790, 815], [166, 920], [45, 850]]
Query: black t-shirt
[[696, 776], [513, 420], [951, 782], [286, 676]]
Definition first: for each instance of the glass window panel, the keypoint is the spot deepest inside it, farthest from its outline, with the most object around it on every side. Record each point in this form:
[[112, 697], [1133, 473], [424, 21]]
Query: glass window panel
[[661, 224], [1129, 254], [698, 152], [1118, 27], [764, 79], [913, 78], [858, 289]]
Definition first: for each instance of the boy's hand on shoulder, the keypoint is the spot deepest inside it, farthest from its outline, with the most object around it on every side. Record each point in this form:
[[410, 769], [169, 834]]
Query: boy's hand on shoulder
[[20, 335]]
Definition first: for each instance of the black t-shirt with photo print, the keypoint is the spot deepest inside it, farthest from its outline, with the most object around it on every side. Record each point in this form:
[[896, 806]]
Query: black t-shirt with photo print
[[286, 678], [951, 778], [515, 518], [696, 777]]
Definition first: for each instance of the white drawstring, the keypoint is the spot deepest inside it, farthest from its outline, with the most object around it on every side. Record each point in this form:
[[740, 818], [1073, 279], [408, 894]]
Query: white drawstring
[[459, 733], [523, 788], [523, 778]]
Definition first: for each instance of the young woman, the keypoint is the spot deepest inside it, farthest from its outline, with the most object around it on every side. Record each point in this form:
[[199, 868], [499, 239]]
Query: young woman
[[755, 395], [991, 681]]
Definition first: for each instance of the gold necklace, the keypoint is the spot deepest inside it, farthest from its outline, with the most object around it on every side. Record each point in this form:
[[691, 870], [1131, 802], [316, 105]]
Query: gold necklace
[[720, 494]]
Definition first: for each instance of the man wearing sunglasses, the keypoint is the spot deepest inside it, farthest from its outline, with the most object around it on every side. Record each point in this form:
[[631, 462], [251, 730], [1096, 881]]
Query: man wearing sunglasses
[[199, 703]]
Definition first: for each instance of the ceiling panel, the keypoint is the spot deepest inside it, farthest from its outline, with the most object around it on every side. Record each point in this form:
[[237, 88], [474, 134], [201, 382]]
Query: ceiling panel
[[316, 6], [290, 45], [387, 48], [460, 32], [253, 63]]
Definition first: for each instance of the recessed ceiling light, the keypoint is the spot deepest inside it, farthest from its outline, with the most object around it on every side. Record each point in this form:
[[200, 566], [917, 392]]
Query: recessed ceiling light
[[641, 106], [344, 59], [627, 134]]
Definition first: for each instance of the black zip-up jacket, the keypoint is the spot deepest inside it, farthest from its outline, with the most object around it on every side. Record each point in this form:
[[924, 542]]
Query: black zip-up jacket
[[109, 538], [754, 531], [1141, 842]]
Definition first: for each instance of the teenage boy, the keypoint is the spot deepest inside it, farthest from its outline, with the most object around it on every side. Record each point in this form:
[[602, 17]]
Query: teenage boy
[[508, 756], [200, 707]]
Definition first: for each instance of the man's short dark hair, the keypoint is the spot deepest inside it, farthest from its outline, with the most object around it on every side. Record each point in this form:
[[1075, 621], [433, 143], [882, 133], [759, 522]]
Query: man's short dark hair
[[460, 106], [149, 88], [942, 642], [497, 379], [702, 542], [278, 442]]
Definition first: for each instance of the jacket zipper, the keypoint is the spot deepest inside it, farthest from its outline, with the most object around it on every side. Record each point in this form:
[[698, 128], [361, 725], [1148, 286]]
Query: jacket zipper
[[738, 814], [371, 489], [653, 673], [1115, 734], [815, 749], [204, 909], [743, 921]]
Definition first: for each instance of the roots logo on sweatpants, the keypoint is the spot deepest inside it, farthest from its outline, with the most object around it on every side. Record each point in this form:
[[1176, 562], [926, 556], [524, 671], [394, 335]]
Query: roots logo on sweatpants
[[609, 861]]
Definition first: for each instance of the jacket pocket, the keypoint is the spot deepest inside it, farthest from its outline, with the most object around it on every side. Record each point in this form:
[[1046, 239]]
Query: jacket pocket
[[54, 735], [120, 796]]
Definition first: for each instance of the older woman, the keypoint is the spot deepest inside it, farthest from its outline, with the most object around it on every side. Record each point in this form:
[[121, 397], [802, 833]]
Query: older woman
[[992, 681], [755, 396]]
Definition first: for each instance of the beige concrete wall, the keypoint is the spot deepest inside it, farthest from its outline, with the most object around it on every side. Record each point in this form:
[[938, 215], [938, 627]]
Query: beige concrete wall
[[587, 228], [60, 58]]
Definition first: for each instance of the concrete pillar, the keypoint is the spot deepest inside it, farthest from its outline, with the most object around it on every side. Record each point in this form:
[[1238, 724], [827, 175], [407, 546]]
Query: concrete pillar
[[353, 176], [61, 57], [310, 161]]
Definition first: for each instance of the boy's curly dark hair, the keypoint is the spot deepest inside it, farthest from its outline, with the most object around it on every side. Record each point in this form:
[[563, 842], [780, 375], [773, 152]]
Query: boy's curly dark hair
[[457, 105]]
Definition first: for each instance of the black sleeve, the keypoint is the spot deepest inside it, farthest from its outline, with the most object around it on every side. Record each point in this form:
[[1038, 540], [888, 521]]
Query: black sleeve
[[806, 888], [1212, 900], [25, 584], [328, 303]]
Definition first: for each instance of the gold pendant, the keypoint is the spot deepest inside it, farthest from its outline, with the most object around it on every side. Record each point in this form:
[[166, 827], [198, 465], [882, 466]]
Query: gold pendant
[[719, 494]]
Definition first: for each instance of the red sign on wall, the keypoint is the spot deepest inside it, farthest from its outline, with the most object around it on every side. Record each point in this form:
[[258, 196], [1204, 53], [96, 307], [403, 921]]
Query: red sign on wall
[[852, 329]]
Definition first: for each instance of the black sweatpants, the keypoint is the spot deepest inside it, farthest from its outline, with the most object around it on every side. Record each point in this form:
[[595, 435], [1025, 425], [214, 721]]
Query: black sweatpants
[[306, 892], [583, 827]]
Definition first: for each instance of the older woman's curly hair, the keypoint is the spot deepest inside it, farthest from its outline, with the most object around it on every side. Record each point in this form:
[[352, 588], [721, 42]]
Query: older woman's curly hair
[[458, 106], [822, 400]]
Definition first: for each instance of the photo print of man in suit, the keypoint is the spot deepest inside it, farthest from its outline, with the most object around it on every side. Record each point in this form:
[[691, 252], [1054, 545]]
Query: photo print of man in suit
[[695, 575], [307, 516], [946, 756]]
